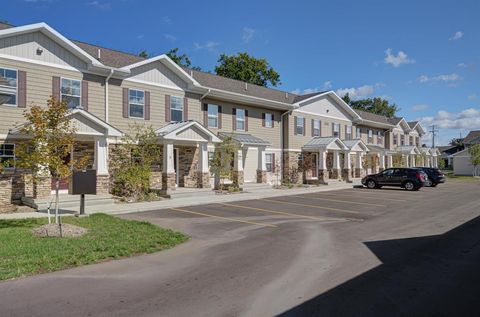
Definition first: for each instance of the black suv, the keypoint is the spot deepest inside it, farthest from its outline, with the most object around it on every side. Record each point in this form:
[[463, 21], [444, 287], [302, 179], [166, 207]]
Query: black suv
[[408, 178], [435, 176]]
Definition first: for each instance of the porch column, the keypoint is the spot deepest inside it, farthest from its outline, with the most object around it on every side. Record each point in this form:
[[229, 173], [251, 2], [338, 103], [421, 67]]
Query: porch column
[[359, 165], [322, 167], [381, 162], [412, 160], [435, 161], [101, 165], [405, 160], [336, 165], [389, 161], [347, 165], [237, 175], [262, 167], [203, 178], [168, 172]]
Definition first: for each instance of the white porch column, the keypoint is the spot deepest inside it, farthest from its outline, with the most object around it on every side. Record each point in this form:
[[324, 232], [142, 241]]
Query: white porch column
[[101, 155], [359, 164], [168, 166], [405, 159], [347, 163], [412, 157], [389, 160], [381, 162], [203, 179], [262, 166], [336, 160], [322, 166], [435, 161], [347, 167], [238, 168]]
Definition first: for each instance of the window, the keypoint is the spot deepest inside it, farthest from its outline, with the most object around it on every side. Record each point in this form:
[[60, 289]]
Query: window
[[417, 141], [316, 128], [268, 120], [269, 162], [8, 87], [136, 103], [395, 139], [410, 140], [348, 132], [240, 119], [300, 126], [176, 109], [379, 137], [336, 130], [370, 136], [359, 133], [211, 157], [7, 154], [70, 92], [402, 139], [212, 116]]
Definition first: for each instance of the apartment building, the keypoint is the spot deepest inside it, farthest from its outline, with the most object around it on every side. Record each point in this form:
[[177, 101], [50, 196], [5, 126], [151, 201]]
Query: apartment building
[[191, 111]]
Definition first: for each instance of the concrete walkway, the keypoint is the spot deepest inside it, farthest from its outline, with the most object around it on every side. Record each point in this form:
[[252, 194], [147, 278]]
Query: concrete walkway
[[191, 200]]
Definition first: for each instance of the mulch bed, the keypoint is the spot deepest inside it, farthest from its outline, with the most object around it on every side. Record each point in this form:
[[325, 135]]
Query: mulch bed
[[53, 230]]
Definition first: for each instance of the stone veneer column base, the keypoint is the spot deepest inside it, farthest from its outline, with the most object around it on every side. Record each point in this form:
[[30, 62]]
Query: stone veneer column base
[[237, 178], [156, 180], [168, 181], [6, 190], [43, 187], [358, 172], [203, 180], [261, 176], [335, 173], [103, 184], [347, 175], [322, 176]]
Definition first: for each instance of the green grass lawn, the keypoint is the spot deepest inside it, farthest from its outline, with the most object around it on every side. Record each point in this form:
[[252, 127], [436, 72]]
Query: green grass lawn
[[21, 253]]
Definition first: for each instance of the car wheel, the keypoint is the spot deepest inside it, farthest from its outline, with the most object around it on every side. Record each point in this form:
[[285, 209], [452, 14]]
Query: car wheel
[[409, 186], [428, 183], [434, 185], [371, 184]]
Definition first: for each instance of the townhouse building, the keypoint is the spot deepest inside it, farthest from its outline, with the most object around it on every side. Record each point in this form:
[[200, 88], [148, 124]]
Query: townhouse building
[[108, 91]]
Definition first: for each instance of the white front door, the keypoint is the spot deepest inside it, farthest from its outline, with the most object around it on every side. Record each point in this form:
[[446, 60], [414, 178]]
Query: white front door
[[250, 165]]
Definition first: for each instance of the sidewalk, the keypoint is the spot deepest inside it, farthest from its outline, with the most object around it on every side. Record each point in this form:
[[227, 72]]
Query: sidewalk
[[125, 208]]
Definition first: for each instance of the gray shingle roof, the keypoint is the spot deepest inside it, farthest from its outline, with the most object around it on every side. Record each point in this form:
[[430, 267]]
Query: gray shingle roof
[[412, 124], [172, 127], [303, 97], [471, 136], [395, 120], [4, 26], [244, 138], [108, 56], [372, 117]]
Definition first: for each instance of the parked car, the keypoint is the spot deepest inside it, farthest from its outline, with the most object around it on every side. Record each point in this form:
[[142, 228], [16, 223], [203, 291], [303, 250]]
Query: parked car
[[435, 176], [408, 178]]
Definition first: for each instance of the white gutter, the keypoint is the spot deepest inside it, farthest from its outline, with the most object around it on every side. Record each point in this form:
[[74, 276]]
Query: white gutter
[[106, 94], [206, 94]]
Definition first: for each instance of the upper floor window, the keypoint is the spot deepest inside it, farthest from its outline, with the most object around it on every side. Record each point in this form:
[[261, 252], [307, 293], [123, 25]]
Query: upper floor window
[[336, 130], [136, 103], [8, 87], [176, 109], [348, 132], [70, 90], [240, 119], [359, 133], [300, 129], [402, 139], [268, 120], [212, 116], [316, 128], [410, 140], [7, 155], [370, 136], [395, 139], [379, 137], [417, 141]]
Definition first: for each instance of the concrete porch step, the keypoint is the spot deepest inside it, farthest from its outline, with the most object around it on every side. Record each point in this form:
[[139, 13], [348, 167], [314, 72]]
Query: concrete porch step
[[180, 192]]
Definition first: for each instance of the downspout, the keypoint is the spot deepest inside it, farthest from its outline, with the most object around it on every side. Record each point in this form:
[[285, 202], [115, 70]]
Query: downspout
[[282, 142], [206, 94], [106, 94]]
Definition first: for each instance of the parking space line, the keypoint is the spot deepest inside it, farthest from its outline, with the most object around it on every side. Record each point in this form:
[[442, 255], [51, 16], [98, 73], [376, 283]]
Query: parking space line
[[371, 197], [284, 213], [311, 206], [344, 201], [223, 218]]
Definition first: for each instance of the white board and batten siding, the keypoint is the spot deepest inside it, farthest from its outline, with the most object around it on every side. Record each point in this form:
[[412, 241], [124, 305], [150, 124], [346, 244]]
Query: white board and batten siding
[[157, 73]]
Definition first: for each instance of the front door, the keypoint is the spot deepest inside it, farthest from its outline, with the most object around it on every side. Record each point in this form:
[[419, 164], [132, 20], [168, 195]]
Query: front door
[[175, 167]]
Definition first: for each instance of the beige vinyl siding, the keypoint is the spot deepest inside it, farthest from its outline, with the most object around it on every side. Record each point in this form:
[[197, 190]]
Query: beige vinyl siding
[[39, 89], [255, 127], [96, 95], [364, 137]]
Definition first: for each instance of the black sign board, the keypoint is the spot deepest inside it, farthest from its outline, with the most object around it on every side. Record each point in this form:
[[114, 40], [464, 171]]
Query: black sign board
[[84, 182]]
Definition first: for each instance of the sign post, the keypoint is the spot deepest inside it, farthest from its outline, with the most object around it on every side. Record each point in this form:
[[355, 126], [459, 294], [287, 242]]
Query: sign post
[[84, 183]]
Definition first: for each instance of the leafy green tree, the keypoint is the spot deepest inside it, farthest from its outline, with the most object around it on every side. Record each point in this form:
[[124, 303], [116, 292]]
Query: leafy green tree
[[347, 99], [456, 142], [375, 105], [181, 60], [143, 54], [247, 68], [222, 164], [474, 151]]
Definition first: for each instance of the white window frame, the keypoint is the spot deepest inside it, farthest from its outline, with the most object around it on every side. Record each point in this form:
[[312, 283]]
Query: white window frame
[[299, 123], [348, 132], [268, 120], [9, 89], [336, 130], [358, 133], [237, 119], [269, 156], [380, 135], [209, 116], [136, 104], [315, 122], [62, 94], [8, 156], [370, 136], [176, 109]]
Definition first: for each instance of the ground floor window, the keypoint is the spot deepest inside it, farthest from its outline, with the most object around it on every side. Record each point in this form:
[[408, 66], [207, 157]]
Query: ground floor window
[[269, 162], [7, 155]]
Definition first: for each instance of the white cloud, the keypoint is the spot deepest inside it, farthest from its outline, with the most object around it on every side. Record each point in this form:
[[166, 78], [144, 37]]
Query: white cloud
[[462, 65], [139, 36], [247, 34], [326, 86], [397, 60], [472, 97], [444, 78], [357, 93], [420, 107], [170, 37], [467, 119], [458, 35], [166, 20], [100, 5], [210, 46]]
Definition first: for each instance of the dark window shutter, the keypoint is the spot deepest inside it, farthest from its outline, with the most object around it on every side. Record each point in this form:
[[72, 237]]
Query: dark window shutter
[[125, 103], [56, 88], [333, 129], [147, 105], [219, 117], [319, 127], [167, 108], [263, 119], [205, 114], [234, 119], [185, 109], [304, 126], [85, 95], [273, 120], [246, 120], [22, 89], [273, 163], [295, 125], [313, 127]]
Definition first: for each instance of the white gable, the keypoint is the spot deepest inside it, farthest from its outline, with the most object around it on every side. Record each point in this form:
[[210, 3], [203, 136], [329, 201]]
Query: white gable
[[327, 107], [157, 73], [26, 46], [192, 133]]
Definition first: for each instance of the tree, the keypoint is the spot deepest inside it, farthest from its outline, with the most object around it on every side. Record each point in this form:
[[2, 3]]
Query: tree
[[51, 140], [222, 163], [143, 54], [181, 60], [474, 151], [375, 105], [347, 99], [456, 142], [247, 68]]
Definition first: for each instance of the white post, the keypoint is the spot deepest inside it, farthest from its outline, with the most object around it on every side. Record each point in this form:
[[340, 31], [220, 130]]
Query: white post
[[359, 162], [389, 160], [347, 163], [336, 160], [101, 155], [168, 166], [381, 161], [262, 165], [405, 159], [322, 160], [238, 160], [435, 161], [412, 157], [203, 161]]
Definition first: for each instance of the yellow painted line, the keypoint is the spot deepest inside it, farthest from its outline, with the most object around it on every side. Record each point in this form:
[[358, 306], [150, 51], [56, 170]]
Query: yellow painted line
[[223, 218], [371, 197], [283, 213], [343, 201], [311, 206]]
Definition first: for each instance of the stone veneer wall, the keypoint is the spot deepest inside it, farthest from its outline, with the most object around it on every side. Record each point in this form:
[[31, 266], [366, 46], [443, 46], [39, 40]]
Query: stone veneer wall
[[188, 167], [6, 182], [290, 168]]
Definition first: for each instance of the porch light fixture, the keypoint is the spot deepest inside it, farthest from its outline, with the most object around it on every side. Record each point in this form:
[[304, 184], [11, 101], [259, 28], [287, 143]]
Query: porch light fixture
[[39, 51]]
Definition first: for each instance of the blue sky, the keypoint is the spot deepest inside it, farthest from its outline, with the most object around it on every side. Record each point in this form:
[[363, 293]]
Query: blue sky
[[422, 55]]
